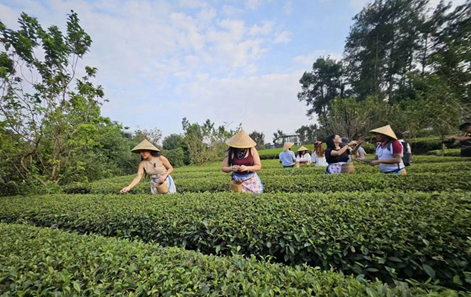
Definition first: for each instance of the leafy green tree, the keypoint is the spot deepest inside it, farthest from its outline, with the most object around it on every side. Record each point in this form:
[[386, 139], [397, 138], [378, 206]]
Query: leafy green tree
[[321, 85], [352, 118], [278, 137], [176, 156], [383, 46], [153, 135], [450, 48], [259, 138], [50, 123], [307, 134], [173, 141], [206, 143], [440, 105]]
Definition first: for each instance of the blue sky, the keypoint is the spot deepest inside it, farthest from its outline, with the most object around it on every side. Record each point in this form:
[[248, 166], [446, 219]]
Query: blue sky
[[230, 61]]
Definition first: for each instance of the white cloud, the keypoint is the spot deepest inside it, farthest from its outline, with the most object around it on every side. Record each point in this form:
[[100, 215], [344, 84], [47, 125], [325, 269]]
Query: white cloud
[[192, 4], [231, 11], [155, 56], [283, 37], [252, 4], [265, 29], [262, 103]]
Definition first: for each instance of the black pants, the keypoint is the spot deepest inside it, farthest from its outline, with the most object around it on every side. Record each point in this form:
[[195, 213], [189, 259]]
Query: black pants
[[466, 151]]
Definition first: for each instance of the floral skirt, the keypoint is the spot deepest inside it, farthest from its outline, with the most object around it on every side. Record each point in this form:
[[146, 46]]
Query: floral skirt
[[335, 168], [251, 183], [155, 180]]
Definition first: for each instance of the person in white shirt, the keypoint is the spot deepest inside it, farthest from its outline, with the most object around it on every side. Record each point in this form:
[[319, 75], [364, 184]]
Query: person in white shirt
[[361, 153], [318, 155], [303, 158]]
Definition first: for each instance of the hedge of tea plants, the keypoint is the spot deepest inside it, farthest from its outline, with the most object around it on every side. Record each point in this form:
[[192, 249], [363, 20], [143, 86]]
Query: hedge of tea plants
[[303, 182], [46, 262], [410, 231], [385, 235]]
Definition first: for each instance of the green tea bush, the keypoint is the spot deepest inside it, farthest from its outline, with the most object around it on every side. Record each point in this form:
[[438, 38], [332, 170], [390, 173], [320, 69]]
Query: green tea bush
[[45, 262], [289, 183], [425, 144], [442, 167], [385, 235]]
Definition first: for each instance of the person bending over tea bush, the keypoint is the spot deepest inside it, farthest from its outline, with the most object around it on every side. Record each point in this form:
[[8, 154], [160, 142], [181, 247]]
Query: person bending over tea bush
[[157, 167]]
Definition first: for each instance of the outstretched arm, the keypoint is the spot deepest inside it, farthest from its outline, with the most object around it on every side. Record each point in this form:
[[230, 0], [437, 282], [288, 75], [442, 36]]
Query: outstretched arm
[[359, 142], [136, 180], [343, 149], [461, 138]]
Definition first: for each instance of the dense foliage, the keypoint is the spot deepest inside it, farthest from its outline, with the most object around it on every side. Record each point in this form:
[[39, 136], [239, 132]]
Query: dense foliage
[[404, 64], [378, 234], [51, 128], [50, 262]]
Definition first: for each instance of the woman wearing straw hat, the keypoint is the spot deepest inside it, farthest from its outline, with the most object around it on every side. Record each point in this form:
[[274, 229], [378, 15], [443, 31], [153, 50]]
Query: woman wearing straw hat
[[154, 165], [303, 158], [287, 157], [337, 154], [388, 153], [243, 161], [318, 155]]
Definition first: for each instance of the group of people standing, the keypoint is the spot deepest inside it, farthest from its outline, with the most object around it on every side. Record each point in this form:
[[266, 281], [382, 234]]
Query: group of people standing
[[288, 159], [388, 155], [243, 161]]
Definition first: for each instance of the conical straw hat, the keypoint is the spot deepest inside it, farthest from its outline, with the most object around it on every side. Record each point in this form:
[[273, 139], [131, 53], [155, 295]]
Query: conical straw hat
[[287, 145], [145, 145], [302, 148], [241, 140], [385, 130]]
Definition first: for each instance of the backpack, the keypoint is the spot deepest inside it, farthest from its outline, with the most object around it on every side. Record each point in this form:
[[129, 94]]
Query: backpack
[[406, 154]]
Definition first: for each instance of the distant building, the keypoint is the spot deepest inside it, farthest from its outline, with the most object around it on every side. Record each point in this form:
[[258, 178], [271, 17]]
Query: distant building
[[292, 138]]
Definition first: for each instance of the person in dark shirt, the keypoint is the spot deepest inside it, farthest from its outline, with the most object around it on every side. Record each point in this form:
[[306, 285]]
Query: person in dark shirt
[[337, 153], [464, 139]]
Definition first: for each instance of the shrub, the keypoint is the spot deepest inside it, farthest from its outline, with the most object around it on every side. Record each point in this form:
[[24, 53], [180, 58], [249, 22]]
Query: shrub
[[54, 263], [176, 157], [386, 235]]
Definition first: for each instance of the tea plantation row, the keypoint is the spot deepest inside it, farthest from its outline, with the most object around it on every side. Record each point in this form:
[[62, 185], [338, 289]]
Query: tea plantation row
[[360, 168], [388, 235], [299, 183], [46, 262], [216, 166]]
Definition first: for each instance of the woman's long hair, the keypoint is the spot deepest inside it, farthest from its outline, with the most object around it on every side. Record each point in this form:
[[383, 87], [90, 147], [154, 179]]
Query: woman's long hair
[[231, 151], [299, 153], [319, 150], [153, 154], [330, 141]]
